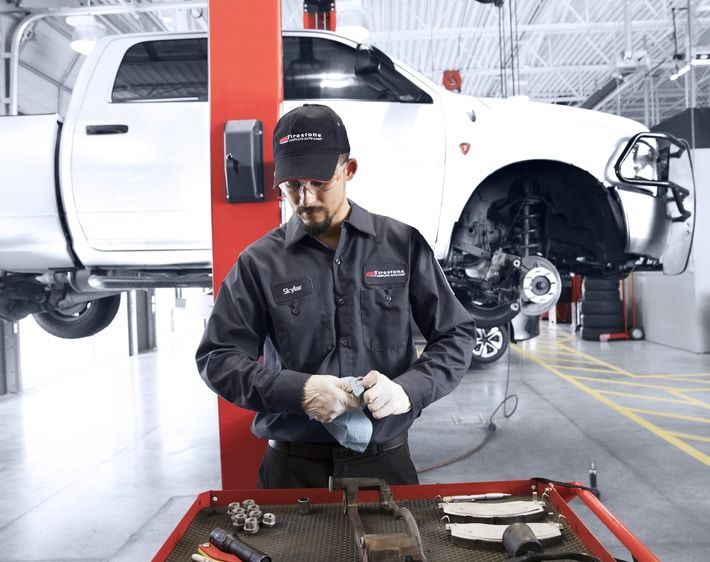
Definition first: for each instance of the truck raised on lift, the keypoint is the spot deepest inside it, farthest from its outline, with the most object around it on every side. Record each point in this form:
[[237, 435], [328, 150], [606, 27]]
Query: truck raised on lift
[[113, 195]]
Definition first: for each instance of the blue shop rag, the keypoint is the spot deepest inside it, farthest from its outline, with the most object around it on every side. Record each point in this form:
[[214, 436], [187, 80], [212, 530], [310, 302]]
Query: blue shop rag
[[352, 429]]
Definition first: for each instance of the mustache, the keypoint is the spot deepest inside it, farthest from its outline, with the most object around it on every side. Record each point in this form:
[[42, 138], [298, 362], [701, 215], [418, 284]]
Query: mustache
[[301, 209]]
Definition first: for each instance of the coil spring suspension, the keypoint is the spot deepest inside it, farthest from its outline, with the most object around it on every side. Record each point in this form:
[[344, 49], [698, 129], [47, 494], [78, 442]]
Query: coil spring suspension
[[526, 233]]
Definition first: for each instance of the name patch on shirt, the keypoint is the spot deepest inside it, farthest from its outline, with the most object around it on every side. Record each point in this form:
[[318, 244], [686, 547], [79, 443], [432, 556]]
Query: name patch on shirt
[[385, 273], [292, 290]]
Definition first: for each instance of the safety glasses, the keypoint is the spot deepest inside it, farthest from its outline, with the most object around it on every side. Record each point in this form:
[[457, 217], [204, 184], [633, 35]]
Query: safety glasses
[[291, 187]]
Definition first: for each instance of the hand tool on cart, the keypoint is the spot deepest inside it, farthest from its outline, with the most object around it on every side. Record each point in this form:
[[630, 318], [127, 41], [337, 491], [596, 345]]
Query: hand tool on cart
[[475, 497], [227, 543], [520, 541], [379, 547]]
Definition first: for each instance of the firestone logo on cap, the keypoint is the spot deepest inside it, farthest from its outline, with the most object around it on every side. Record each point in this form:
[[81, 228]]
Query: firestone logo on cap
[[301, 137]]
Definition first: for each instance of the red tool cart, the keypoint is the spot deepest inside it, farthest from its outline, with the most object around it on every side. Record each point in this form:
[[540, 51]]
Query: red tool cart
[[326, 533]]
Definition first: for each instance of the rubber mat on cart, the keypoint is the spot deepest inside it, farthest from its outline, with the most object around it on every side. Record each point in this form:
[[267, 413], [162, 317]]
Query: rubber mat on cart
[[325, 535]]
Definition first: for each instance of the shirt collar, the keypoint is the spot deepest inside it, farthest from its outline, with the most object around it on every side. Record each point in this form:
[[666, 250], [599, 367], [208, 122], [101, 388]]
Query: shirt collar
[[358, 218]]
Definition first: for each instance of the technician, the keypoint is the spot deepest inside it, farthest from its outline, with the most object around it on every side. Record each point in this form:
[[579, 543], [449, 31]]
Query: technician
[[326, 296]]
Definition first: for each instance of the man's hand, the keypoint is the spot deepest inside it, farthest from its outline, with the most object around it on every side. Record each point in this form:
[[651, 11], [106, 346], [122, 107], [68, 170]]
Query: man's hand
[[326, 397], [383, 396]]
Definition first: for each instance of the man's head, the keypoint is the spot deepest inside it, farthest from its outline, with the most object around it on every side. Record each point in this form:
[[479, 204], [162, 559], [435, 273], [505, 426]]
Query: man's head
[[312, 165]]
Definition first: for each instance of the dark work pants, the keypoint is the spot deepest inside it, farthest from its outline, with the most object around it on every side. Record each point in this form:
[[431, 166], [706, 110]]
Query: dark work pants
[[283, 469]]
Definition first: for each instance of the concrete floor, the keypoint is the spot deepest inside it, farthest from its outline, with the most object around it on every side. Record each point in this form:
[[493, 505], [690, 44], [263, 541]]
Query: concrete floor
[[100, 462]]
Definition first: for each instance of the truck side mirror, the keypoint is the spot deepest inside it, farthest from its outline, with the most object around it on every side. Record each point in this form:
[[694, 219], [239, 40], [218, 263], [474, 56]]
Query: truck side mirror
[[244, 160], [366, 61]]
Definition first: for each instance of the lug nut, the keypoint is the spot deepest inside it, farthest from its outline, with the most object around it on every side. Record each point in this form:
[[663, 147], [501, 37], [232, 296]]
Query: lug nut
[[268, 519], [251, 526], [246, 504], [255, 513], [304, 506], [239, 520], [233, 506], [238, 511]]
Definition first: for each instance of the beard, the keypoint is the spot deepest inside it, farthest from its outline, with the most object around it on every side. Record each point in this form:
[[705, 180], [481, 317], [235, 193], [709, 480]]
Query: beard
[[314, 228]]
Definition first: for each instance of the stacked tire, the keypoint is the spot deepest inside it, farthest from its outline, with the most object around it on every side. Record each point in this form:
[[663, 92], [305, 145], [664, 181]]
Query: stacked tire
[[602, 311]]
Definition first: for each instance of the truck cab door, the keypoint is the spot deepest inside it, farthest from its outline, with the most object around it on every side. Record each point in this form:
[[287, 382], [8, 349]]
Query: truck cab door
[[395, 125], [140, 147]]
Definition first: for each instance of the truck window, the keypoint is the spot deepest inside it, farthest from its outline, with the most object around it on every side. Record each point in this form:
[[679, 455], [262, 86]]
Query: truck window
[[173, 69], [317, 68]]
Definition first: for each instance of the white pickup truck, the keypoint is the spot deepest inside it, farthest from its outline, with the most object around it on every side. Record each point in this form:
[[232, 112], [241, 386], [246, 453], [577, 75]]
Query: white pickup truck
[[114, 195]]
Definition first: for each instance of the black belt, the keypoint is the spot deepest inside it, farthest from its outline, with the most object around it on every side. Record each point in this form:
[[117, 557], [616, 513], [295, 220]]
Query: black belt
[[333, 451]]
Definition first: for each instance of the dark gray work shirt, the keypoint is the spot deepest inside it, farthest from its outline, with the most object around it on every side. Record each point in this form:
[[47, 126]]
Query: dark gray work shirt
[[311, 310]]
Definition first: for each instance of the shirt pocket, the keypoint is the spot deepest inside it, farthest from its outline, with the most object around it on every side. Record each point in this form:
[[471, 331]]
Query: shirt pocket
[[303, 333], [385, 317]]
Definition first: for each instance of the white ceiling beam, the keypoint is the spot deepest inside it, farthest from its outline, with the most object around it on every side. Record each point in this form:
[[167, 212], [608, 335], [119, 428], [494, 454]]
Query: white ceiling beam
[[548, 28]]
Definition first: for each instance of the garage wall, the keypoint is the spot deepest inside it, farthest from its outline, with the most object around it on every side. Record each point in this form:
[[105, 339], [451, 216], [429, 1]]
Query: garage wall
[[45, 82]]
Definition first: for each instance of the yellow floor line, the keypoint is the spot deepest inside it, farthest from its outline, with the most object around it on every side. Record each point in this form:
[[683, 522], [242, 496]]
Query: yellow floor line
[[673, 440], [697, 389], [629, 383], [690, 436], [673, 376], [599, 361], [589, 369], [574, 358], [643, 396], [689, 399], [668, 415], [552, 350]]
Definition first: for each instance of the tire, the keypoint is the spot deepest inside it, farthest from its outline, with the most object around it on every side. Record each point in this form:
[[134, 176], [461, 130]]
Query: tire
[[612, 322], [607, 295], [486, 315], [602, 307], [91, 319], [601, 284], [592, 334], [491, 344]]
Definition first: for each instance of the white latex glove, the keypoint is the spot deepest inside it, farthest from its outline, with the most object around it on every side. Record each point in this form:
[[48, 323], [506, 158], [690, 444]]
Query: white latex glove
[[383, 396], [326, 397]]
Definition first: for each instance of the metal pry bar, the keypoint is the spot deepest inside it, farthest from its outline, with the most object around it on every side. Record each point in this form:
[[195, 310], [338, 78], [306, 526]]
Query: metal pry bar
[[475, 497], [381, 547]]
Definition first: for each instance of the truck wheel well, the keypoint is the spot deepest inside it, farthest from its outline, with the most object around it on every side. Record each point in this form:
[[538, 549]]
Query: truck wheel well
[[581, 218]]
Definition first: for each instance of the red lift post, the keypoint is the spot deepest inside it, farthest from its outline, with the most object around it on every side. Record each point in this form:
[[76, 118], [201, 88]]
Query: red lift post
[[319, 14], [245, 83]]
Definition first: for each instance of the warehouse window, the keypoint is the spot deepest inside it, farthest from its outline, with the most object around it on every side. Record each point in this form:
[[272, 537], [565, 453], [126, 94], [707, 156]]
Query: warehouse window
[[174, 69], [316, 68]]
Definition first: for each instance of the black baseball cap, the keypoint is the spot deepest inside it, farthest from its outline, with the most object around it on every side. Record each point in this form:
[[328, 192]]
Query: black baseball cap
[[307, 143]]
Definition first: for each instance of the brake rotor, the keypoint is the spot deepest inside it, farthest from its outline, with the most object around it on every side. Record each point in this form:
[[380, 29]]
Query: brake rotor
[[541, 285]]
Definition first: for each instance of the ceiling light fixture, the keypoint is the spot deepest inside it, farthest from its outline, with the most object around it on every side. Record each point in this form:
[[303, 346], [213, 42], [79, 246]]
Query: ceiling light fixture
[[350, 20], [680, 72], [87, 31]]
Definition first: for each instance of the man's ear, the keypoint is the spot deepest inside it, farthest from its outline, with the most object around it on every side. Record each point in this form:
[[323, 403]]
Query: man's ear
[[350, 169]]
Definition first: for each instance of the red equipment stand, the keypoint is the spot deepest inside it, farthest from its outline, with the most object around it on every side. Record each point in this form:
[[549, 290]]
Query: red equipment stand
[[299, 529], [241, 87]]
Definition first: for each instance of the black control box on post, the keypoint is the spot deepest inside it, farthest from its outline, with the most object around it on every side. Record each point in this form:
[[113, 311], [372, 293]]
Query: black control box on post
[[244, 160]]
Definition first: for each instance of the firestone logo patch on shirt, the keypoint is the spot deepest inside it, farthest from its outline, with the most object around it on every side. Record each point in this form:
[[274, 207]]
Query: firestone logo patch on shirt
[[385, 274], [301, 137]]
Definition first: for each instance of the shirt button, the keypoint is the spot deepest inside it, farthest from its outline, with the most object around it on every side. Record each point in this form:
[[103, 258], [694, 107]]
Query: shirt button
[[345, 342], [338, 261], [341, 300], [388, 298]]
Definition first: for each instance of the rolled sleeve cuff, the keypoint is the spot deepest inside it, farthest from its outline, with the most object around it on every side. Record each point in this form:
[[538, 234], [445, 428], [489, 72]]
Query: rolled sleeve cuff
[[287, 391], [412, 382]]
